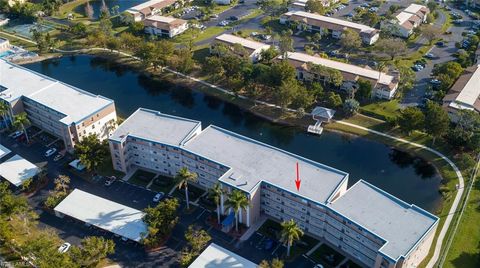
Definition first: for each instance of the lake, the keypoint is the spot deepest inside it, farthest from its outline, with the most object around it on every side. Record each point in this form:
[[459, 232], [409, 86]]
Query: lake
[[409, 178]]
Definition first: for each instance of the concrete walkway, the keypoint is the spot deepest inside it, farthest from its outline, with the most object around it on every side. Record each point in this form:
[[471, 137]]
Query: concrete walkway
[[456, 201]]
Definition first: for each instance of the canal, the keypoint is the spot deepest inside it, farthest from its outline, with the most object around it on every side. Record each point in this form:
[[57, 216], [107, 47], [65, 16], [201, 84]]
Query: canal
[[409, 178]]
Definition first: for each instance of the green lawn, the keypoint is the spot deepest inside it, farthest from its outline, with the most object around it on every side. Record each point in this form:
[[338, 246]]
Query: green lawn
[[381, 109], [208, 33], [465, 249], [106, 169], [141, 178]]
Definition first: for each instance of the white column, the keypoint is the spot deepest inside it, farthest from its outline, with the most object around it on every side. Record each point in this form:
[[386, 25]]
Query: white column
[[240, 216], [222, 209], [248, 216]]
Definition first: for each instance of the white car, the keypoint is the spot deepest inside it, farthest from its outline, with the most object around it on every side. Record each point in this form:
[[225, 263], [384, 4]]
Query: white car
[[318, 266], [16, 134], [50, 152], [64, 248], [158, 196]]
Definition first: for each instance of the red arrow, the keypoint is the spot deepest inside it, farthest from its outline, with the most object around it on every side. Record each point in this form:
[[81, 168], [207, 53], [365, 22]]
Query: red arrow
[[298, 181]]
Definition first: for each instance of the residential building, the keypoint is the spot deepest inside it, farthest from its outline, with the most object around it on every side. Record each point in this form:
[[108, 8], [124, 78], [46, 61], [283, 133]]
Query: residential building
[[153, 7], [333, 26], [165, 26], [464, 94], [407, 20], [365, 223], [4, 45], [384, 85], [62, 110], [253, 49], [215, 256]]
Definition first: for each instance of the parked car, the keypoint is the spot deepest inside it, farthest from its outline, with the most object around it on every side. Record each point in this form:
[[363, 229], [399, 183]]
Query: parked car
[[158, 197], [110, 180], [64, 247], [233, 18], [318, 266], [268, 244], [429, 55], [440, 43], [16, 134], [223, 23], [435, 82], [214, 16], [58, 157], [50, 152]]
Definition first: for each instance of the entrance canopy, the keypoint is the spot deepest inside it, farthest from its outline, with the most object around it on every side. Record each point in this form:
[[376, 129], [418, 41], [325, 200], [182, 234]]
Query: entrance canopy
[[17, 170], [76, 164], [3, 151]]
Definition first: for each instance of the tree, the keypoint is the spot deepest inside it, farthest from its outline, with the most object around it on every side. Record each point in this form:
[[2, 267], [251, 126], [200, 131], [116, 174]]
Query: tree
[[350, 107], [129, 41], [350, 40], [410, 119], [447, 73], [315, 6], [91, 151], [281, 71], [89, 10], [334, 100], [62, 183], [20, 121], [104, 11], [268, 55], [430, 32], [237, 201], [184, 176], [4, 111], [285, 45], [364, 89], [275, 263], [392, 47], [113, 43], [196, 239], [160, 221], [105, 26], [436, 120], [215, 193], [92, 251], [466, 132], [162, 53], [78, 29], [213, 66], [286, 93], [370, 18], [183, 60], [290, 233], [466, 162]]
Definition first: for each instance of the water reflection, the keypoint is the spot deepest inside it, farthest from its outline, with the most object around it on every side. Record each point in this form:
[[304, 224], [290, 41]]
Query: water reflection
[[404, 160]]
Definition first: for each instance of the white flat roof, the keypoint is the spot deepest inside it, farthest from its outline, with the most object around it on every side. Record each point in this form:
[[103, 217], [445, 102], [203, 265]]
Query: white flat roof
[[145, 5], [413, 8], [348, 24], [385, 79], [3, 151], [402, 17], [215, 256], [16, 170], [471, 91], [74, 103], [104, 214], [162, 19], [155, 126], [233, 39]]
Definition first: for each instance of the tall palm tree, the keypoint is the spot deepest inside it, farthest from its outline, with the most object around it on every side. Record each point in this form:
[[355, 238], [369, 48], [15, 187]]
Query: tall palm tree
[[4, 109], [290, 232], [382, 65], [184, 176], [20, 121], [237, 201], [110, 126], [215, 193]]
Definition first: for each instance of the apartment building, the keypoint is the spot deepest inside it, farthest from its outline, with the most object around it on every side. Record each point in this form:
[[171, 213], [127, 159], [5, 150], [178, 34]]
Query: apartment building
[[333, 26], [153, 7], [165, 26], [253, 49], [4, 45], [62, 110], [464, 94], [384, 85], [407, 20], [363, 222]]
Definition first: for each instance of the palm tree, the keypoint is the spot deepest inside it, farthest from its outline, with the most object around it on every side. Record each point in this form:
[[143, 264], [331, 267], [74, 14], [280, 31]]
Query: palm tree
[[61, 183], [4, 109], [215, 193], [184, 176], [19, 122], [382, 65], [237, 201], [290, 232], [110, 126]]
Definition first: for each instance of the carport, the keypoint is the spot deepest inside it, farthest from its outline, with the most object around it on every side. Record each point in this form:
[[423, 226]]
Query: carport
[[104, 214], [17, 170]]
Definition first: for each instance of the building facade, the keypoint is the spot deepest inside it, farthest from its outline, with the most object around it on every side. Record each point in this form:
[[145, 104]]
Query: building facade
[[150, 8], [406, 21], [62, 110], [328, 25], [4, 45], [165, 26], [384, 85], [363, 222]]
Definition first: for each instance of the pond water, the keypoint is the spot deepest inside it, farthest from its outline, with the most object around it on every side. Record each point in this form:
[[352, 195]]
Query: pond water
[[97, 4], [409, 178]]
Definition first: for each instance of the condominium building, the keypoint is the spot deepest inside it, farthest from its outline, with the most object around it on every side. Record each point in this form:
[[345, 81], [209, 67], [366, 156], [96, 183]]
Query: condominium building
[[253, 49], [384, 85], [365, 223], [464, 94], [165, 26], [62, 110], [153, 7], [407, 20], [335, 27], [4, 45]]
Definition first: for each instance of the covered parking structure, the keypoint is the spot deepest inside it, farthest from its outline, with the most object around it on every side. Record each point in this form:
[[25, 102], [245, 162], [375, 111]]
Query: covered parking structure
[[104, 214], [17, 170], [215, 256]]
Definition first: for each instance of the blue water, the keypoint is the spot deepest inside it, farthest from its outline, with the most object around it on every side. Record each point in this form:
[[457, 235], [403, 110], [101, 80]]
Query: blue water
[[409, 178], [97, 4], [5, 53]]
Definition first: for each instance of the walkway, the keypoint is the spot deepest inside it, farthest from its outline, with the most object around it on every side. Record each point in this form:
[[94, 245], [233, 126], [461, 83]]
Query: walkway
[[456, 201]]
